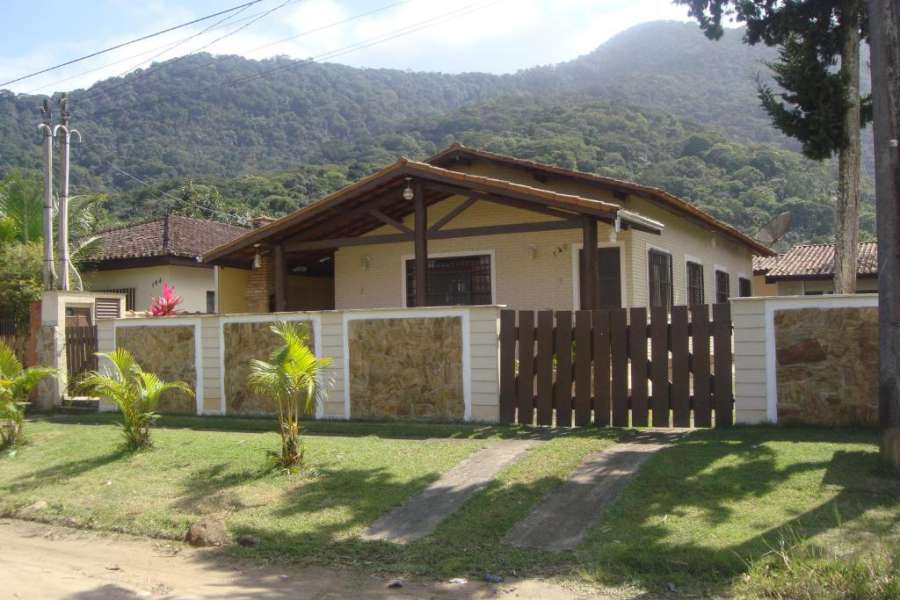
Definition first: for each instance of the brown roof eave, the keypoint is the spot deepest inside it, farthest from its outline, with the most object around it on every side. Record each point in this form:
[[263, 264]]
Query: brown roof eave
[[619, 185], [475, 184]]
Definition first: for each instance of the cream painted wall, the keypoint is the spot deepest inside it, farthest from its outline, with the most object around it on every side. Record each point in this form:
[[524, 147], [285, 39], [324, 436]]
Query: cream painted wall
[[233, 290], [191, 283], [824, 286], [761, 288], [537, 270], [373, 276], [685, 240]]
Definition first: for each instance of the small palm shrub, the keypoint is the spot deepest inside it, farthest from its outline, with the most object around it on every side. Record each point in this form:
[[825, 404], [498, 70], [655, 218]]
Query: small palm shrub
[[134, 391], [16, 383], [292, 378]]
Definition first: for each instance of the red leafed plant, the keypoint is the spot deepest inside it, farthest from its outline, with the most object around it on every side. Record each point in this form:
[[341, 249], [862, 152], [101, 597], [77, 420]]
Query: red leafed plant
[[165, 304]]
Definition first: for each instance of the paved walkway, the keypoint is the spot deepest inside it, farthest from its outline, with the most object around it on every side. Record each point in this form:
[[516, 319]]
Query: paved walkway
[[423, 512], [561, 519]]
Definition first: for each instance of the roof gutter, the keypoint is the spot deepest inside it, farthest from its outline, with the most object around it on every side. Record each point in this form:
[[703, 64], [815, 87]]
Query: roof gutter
[[639, 221]]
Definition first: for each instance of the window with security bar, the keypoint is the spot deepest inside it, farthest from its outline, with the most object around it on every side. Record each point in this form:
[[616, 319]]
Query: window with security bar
[[660, 268], [723, 286], [694, 283], [453, 281]]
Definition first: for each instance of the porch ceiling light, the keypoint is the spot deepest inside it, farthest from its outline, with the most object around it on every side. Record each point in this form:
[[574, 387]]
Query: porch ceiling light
[[408, 193]]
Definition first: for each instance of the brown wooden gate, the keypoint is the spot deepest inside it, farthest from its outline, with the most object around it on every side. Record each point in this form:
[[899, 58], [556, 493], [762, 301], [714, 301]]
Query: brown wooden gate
[[616, 367], [81, 348]]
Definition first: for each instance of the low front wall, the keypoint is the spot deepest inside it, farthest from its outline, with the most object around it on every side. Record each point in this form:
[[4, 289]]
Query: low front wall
[[432, 363], [806, 359]]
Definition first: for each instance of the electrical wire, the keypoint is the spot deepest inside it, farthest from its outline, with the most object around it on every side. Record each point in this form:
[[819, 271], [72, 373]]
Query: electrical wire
[[252, 19], [404, 31], [163, 47], [240, 219], [128, 43]]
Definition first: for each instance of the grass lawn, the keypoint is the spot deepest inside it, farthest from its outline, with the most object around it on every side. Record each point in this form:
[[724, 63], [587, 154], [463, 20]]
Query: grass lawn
[[703, 515]]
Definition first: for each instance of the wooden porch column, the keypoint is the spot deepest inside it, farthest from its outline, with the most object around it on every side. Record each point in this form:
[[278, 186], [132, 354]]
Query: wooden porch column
[[590, 278], [280, 267], [421, 247]]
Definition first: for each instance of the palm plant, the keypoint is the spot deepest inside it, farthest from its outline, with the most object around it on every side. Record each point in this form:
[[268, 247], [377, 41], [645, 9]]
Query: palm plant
[[293, 379], [134, 391], [16, 383]]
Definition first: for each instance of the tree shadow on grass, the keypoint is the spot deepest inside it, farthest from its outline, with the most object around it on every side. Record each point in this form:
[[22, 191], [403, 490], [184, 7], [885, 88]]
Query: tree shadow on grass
[[388, 429], [59, 474], [634, 544]]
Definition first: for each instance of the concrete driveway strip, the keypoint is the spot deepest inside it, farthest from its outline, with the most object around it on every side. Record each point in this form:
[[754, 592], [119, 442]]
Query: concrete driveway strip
[[562, 517], [422, 513]]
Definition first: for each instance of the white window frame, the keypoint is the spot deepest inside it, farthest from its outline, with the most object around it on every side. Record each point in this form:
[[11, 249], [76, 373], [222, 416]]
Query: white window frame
[[671, 254], [742, 275], [687, 292], [449, 254], [576, 279], [722, 269]]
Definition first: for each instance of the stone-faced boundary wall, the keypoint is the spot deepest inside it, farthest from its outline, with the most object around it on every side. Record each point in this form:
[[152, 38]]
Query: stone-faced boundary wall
[[806, 359], [428, 363]]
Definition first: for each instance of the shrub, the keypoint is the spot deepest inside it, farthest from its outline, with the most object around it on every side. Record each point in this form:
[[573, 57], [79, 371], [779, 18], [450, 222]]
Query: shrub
[[135, 392], [291, 378], [165, 304], [16, 383]]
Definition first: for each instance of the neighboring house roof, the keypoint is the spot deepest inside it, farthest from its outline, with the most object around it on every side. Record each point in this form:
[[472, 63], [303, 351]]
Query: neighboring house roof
[[455, 151], [763, 264], [816, 261], [335, 217], [172, 236]]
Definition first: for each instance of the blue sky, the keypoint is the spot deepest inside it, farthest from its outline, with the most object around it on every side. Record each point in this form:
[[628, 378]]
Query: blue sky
[[497, 36]]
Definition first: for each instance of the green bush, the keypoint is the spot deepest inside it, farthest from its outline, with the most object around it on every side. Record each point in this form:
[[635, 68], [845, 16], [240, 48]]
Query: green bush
[[135, 392]]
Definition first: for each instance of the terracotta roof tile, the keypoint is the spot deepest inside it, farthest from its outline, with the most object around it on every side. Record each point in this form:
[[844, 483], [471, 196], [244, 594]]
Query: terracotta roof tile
[[763, 264], [173, 235], [817, 260]]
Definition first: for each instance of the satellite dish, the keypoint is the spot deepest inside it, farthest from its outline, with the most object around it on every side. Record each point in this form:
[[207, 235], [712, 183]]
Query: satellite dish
[[770, 233]]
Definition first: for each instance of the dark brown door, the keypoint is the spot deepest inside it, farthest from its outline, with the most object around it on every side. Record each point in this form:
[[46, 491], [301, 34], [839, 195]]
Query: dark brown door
[[610, 277]]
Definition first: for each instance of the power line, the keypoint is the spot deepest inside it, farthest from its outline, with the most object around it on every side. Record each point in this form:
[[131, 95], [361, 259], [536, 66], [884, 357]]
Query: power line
[[252, 19], [414, 28], [128, 43], [165, 48], [236, 217]]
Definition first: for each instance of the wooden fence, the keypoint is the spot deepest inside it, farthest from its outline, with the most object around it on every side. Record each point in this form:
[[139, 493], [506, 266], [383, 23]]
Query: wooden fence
[[81, 348], [15, 335], [613, 367]]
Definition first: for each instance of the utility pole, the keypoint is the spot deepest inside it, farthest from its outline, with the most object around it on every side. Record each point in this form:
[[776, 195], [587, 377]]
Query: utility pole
[[64, 142], [46, 128], [884, 39]]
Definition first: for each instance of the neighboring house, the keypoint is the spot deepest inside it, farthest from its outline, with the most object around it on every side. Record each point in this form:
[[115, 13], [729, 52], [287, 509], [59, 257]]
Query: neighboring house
[[808, 269], [136, 259], [495, 230]]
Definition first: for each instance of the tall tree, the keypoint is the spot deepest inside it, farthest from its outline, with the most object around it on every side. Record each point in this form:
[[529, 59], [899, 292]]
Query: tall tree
[[886, 100], [820, 103]]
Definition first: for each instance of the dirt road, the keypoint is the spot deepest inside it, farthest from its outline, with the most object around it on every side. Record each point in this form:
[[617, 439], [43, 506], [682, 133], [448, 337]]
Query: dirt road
[[41, 561]]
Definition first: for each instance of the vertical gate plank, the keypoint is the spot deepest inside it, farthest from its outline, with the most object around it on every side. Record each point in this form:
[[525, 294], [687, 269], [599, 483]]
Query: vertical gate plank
[[563, 397], [722, 381], [583, 353], [659, 369], [601, 367], [637, 341], [526, 368], [545, 367], [619, 346], [700, 364], [681, 373], [507, 366]]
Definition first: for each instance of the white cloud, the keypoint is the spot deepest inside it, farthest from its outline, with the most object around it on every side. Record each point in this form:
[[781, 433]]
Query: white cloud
[[500, 36]]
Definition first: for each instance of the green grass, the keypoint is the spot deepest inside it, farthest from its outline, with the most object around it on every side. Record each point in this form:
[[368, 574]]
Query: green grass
[[719, 511]]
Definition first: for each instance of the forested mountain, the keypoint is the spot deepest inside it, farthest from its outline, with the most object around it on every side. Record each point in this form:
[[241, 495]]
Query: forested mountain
[[659, 103]]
